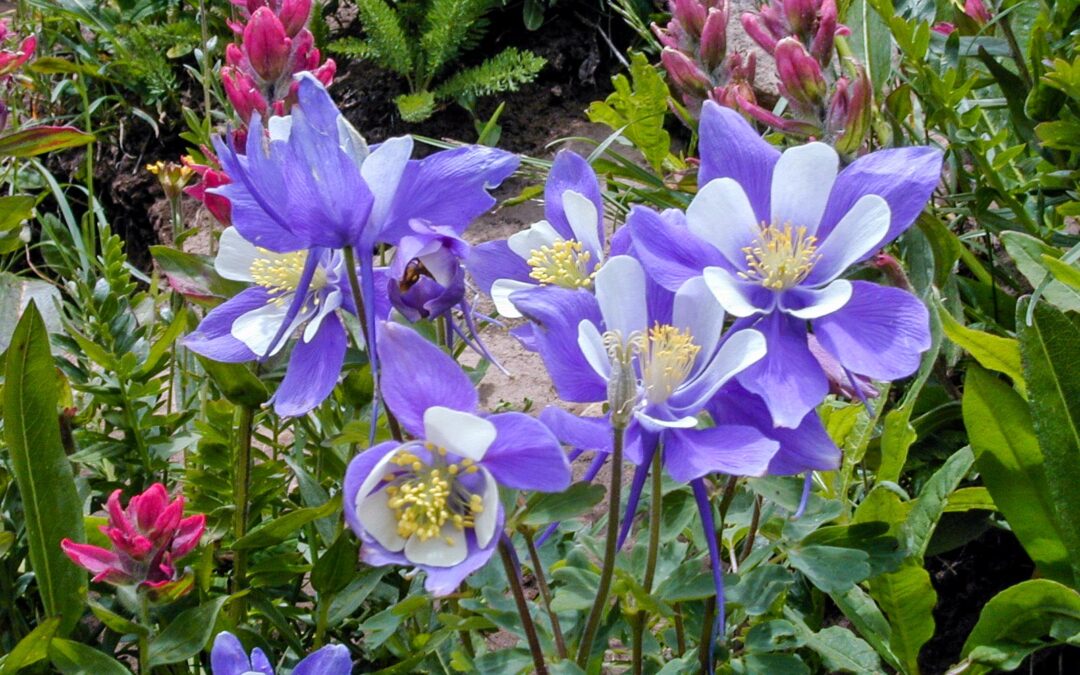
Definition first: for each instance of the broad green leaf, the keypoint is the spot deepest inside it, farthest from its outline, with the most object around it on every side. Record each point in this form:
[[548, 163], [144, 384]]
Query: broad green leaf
[[115, 622], [42, 139], [1063, 271], [554, 507], [773, 664], [840, 649], [15, 294], [336, 566], [14, 210], [831, 568], [187, 635], [281, 528], [51, 504], [930, 505], [907, 597], [75, 658], [1011, 466], [236, 382], [1018, 621], [866, 617], [772, 636], [638, 110], [871, 41], [991, 351], [896, 439], [194, 276], [1051, 347], [1027, 251], [970, 499], [32, 648], [756, 591]]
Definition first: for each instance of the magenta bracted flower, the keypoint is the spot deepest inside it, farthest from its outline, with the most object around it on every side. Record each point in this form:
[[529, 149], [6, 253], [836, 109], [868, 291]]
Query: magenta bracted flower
[[148, 538]]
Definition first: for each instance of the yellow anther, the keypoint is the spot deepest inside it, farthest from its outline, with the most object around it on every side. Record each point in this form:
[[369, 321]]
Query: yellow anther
[[472, 469], [466, 462], [781, 257], [453, 469], [426, 497], [564, 263], [666, 361], [281, 272]]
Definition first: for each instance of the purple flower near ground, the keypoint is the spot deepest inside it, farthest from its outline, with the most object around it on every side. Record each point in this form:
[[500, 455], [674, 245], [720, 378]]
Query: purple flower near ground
[[228, 657], [772, 233], [564, 250], [433, 503]]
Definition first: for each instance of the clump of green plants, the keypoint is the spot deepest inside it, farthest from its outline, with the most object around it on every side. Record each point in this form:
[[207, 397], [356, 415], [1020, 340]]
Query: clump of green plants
[[422, 41]]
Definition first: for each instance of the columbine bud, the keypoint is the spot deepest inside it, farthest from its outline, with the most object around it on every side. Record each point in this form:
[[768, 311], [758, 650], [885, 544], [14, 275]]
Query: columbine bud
[[822, 46], [801, 81], [691, 14], [977, 11], [266, 44], [714, 37], [294, 15], [685, 74]]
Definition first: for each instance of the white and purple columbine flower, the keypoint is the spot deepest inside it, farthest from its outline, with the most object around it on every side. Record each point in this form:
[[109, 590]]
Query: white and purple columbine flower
[[252, 325], [308, 185], [565, 250], [426, 278], [228, 657], [772, 233], [433, 503]]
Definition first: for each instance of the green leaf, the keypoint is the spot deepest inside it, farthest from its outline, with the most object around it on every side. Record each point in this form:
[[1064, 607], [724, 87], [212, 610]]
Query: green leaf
[[930, 505], [755, 591], [15, 294], [970, 499], [907, 597], [117, 623], [871, 41], [868, 620], [1027, 251], [32, 648], [336, 566], [194, 276], [187, 635], [839, 648], [773, 664], [831, 568], [638, 110], [991, 351], [236, 382], [42, 139], [554, 507], [281, 528], [1050, 347], [1011, 465], [1018, 621], [51, 504], [14, 210], [1067, 274], [772, 636], [75, 658]]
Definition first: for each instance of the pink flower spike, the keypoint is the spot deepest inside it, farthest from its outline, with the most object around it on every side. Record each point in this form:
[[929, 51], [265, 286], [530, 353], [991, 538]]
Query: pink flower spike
[[294, 15], [714, 38], [188, 535], [691, 14], [266, 44], [144, 509], [93, 559], [753, 25]]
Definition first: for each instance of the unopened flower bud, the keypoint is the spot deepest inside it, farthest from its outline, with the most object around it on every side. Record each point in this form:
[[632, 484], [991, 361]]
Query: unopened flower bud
[[801, 81], [714, 37], [294, 15], [800, 15], [242, 92], [685, 74], [850, 111], [977, 11], [754, 26], [822, 46], [691, 14], [266, 44]]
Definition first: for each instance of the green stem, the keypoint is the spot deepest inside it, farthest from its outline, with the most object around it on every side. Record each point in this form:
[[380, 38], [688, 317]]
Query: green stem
[[650, 559], [144, 636], [680, 631], [545, 592], [588, 637], [245, 416], [512, 574]]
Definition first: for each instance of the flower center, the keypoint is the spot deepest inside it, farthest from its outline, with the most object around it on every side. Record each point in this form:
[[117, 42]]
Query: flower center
[[666, 359], [780, 257], [564, 263], [413, 271], [281, 272], [425, 497]]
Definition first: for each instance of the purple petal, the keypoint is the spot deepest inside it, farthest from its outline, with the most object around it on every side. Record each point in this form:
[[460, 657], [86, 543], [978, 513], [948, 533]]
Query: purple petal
[[570, 171], [634, 495], [730, 148], [526, 455], [358, 471], [557, 313], [261, 664], [493, 260], [254, 222], [227, 657], [213, 338], [905, 177], [581, 433], [668, 251], [880, 333], [449, 188], [789, 378], [735, 450], [330, 660], [417, 375], [701, 496], [313, 370], [445, 580]]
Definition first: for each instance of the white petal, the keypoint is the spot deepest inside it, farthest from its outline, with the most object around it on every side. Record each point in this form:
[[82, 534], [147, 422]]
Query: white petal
[[235, 256], [825, 300], [379, 520], [257, 328], [436, 551], [381, 468], [280, 127], [801, 183], [351, 141], [539, 234], [858, 232], [726, 289], [329, 304], [620, 290], [591, 344], [721, 215], [485, 520], [657, 424], [583, 218], [461, 433], [739, 352], [500, 295], [697, 311], [382, 171]]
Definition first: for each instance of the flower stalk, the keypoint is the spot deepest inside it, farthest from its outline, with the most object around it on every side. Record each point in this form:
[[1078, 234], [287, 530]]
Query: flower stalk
[[656, 499], [242, 501], [545, 592], [513, 573]]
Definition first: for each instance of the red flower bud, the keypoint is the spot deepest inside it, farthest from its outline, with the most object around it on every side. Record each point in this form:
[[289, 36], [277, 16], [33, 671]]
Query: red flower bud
[[801, 80], [714, 37], [266, 44], [754, 25], [691, 14], [977, 11], [684, 73], [294, 15]]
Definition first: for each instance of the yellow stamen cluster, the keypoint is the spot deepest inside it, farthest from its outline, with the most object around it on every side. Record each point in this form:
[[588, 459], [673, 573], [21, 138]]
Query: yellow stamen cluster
[[666, 361], [564, 263], [281, 272], [781, 257], [426, 497], [172, 177]]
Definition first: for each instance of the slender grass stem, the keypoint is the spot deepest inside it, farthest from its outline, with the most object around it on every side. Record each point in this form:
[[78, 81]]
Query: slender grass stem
[[245, 417], [509, 558], [650, 560], [592, 625], [545, 592]]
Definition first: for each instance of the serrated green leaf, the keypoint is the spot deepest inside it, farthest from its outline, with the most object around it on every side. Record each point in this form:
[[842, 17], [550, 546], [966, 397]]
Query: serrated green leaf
[[638, 108]]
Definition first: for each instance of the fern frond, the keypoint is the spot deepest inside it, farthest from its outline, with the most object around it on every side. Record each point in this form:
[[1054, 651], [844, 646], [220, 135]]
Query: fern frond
[[448, 25], [506, 71], [352, 46], [385, 36]]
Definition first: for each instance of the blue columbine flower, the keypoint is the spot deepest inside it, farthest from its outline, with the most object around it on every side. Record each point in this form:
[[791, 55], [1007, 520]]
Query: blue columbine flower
[[772, 233], [565, 250], [433, 503], [229, 658]]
